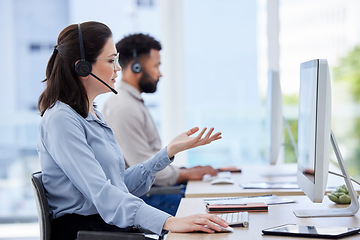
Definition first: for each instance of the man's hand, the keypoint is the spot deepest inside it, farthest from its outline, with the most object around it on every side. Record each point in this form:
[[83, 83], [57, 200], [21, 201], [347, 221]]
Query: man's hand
[[195, 173]]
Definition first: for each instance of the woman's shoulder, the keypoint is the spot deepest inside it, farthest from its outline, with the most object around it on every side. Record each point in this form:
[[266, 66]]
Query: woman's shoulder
[[61, 113]]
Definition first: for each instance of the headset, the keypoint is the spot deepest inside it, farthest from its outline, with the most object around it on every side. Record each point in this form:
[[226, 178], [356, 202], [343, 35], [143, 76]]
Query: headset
[[136, 66], [82, 68]]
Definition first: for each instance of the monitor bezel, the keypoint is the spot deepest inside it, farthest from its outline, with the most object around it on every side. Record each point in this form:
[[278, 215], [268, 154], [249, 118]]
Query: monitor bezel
[[315, 189]]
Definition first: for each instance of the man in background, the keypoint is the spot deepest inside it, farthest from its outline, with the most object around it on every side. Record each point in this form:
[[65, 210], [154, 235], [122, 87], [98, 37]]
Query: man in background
[[131, 122]]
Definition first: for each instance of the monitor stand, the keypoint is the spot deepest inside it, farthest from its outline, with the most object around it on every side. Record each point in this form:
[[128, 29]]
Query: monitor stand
[[288, 172], [351, 210]]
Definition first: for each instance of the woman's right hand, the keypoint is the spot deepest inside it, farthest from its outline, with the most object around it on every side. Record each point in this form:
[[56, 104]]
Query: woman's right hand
[[199, 222]]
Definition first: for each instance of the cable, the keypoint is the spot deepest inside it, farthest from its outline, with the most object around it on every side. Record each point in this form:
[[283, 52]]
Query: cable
[[339, 175], [295, 149]]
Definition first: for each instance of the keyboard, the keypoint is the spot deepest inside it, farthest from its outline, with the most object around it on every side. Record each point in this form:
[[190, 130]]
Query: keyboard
[[240, 219], [270, 185]]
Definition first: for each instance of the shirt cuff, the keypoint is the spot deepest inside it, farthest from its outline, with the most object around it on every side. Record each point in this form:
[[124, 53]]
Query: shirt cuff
[[154, 220], [162, 160]]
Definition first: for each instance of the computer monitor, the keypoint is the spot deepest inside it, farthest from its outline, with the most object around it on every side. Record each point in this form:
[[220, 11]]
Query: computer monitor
[[273, 118], [314, 138]]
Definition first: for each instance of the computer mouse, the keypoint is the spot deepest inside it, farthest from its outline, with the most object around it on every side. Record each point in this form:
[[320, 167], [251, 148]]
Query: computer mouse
[[224, 230], [219, 181], [207, 178], [228, 229]]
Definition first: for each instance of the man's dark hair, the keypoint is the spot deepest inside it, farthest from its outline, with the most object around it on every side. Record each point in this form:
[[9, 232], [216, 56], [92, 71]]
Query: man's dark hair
[[141, 43]]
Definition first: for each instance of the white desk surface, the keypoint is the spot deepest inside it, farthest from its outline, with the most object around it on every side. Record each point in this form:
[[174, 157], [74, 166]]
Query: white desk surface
[[256, 173], [277, 215]]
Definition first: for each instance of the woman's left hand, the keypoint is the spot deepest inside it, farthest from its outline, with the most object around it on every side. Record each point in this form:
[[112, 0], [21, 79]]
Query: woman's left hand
[[184, 141]]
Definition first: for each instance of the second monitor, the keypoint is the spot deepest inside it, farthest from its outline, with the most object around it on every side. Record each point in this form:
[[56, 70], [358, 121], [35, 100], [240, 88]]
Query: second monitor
[[275, 122]]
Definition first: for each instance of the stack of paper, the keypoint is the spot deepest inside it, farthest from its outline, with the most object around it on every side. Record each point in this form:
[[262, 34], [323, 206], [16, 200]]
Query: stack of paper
[[235, 204]]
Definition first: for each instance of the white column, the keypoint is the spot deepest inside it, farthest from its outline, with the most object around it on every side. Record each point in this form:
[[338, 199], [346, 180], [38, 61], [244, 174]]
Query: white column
[[273, 51], [273, 55], [173, 82]]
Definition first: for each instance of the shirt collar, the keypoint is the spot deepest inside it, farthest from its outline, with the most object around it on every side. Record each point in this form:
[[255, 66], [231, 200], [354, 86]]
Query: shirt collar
[[131, 90], [99, 120]]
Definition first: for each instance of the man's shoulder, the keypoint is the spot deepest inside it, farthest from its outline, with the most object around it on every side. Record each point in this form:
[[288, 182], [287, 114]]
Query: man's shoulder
[[122, 104]]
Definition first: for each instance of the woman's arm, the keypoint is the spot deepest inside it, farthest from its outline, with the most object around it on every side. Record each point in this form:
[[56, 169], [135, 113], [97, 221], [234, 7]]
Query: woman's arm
[[139, 178]]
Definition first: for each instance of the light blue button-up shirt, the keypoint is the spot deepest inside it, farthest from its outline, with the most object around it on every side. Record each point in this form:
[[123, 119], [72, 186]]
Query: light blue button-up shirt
[[84, 171]]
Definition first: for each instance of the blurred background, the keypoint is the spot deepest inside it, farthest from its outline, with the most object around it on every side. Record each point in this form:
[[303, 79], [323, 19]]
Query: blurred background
[[215, 61]]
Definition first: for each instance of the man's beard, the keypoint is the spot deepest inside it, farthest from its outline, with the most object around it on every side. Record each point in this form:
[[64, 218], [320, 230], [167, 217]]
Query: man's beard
[[147, 83]]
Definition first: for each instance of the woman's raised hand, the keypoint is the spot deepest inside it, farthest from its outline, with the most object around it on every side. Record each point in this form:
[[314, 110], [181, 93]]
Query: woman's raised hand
[[184, 141]]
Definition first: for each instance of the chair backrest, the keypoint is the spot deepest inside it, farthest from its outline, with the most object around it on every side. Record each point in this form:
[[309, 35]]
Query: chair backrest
[[42, 206], [45, 222]]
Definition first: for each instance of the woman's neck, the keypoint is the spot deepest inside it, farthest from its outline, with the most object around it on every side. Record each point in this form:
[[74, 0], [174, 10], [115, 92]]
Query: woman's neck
[[91, 106], [92, 112]]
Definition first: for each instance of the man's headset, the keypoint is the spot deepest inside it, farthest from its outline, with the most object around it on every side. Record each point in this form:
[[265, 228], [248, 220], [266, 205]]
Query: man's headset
[[136, 66], [83, 68]]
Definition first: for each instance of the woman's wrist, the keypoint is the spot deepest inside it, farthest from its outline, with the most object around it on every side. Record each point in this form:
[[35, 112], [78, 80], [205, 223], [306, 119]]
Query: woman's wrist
[[170, 151], [168, 223]]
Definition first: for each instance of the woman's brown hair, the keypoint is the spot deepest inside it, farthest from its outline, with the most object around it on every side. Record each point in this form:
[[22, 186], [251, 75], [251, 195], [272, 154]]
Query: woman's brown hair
[[62, 82]]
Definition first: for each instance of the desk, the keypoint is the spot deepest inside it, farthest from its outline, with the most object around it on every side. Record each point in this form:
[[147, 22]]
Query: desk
[[277, 215], [256, 173]]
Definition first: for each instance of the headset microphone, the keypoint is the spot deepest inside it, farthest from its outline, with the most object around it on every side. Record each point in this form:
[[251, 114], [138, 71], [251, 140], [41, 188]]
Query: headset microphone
[[113, 90], [83, 68]]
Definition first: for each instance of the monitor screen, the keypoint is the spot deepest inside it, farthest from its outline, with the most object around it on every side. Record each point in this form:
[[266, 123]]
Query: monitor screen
[[314, 128], [307, 119]]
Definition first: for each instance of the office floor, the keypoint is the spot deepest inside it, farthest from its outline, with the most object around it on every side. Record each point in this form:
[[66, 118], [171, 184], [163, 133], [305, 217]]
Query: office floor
[[19, 231]]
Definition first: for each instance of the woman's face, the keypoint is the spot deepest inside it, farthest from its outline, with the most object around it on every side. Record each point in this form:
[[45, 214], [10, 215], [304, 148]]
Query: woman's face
[[105, 69]]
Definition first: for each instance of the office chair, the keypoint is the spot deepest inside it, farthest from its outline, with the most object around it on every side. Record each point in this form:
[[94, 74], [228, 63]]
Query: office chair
[[45, 223], [42, 206]]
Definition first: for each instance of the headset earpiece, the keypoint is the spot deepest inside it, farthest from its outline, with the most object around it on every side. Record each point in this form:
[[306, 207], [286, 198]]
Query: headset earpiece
[[136, 66], [82, 68]]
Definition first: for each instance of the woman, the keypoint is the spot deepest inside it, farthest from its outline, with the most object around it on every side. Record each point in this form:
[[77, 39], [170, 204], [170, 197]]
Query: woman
[[83, 168]]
